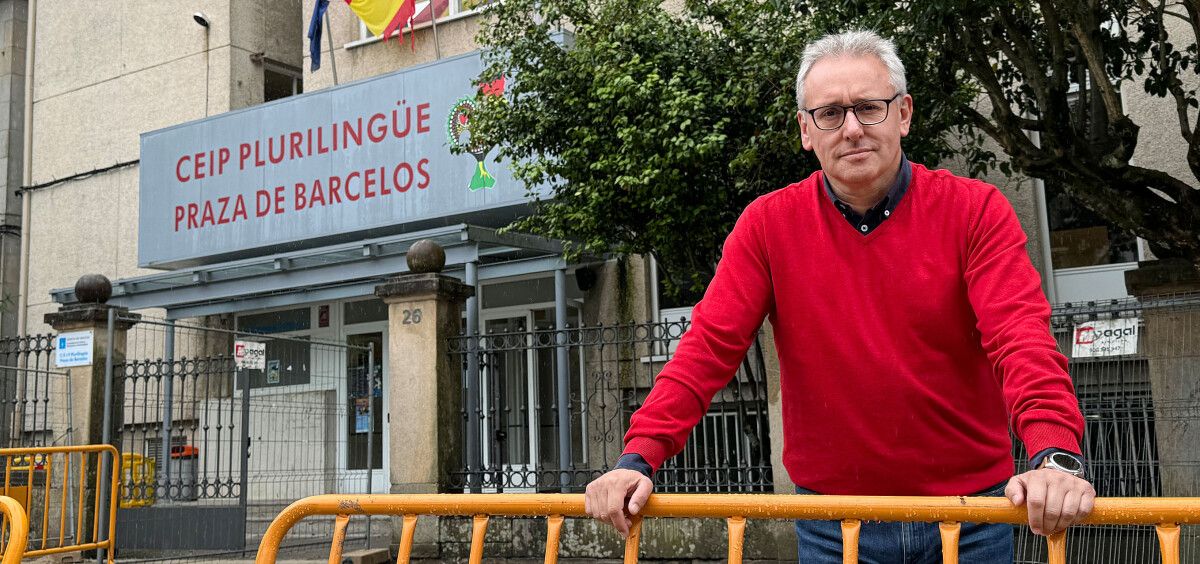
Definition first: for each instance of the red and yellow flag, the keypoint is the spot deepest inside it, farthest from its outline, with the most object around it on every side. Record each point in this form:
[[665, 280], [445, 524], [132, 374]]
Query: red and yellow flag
[[383, 17]]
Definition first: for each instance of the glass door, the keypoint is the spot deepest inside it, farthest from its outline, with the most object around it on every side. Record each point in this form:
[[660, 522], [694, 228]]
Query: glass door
[[509, 394], [545, 376], [520, 418], [365, 420]]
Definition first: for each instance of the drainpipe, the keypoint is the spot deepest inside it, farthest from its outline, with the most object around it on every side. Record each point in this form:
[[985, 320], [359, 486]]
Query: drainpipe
[[1043, 220], [27, 172]]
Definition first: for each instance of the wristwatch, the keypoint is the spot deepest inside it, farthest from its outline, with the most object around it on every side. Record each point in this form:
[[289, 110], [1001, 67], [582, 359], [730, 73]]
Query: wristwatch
[[1065, 462]]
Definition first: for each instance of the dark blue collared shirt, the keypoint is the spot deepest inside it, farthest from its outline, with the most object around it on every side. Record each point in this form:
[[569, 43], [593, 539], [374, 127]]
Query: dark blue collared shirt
[[867, 223]]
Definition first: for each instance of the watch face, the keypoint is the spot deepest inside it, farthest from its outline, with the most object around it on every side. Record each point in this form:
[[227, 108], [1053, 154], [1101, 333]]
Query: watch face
[[1066, 462]]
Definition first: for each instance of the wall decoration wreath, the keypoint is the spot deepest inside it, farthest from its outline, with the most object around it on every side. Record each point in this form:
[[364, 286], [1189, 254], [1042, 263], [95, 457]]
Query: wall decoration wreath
[[458, 132]]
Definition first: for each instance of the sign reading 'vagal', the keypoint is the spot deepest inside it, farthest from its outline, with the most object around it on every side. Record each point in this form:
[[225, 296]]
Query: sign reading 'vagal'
[[249, 355], [1105, 337], [371, 158], [73, 349]]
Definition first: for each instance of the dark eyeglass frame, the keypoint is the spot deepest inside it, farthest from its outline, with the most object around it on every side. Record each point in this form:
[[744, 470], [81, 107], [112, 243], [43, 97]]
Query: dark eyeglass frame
[[887, 110]]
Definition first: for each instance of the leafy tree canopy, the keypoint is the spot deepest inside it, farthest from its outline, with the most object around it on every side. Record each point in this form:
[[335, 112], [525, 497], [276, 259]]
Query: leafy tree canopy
[[654, 125], [1058, 69], [654, 128]]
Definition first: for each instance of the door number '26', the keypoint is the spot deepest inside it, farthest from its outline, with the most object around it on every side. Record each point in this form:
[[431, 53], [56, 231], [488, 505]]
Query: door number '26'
[[411, 317]]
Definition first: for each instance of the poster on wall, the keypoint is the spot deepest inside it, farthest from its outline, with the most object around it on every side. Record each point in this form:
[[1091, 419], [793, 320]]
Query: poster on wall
[[273, 371], [362, 415], [1104, 337]]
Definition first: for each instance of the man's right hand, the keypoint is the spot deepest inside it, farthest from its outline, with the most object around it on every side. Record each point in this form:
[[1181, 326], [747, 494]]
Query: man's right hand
[[616, 497]]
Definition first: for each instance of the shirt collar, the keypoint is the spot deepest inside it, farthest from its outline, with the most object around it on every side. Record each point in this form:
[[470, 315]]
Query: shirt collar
[[897, 190]]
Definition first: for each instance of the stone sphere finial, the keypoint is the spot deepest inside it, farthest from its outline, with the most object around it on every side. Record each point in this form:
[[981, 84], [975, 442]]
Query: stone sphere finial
[[426, 256], [93, 289]]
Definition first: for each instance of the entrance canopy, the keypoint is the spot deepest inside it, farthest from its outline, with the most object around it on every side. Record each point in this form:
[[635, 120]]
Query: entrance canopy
[[327, 273]]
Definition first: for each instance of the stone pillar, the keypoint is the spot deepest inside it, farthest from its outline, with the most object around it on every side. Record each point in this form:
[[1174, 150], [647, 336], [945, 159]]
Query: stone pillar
[[87, 382], [425, 407], [1172, 343]]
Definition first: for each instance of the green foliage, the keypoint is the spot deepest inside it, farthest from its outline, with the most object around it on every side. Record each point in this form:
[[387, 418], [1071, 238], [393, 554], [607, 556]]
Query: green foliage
[[653, 129], [1066, 70]]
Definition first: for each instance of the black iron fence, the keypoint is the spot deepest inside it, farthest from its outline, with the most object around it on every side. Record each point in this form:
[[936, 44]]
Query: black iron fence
[[34, 397], [1124, 422], [612, 368], [512, 378], [206, 439]]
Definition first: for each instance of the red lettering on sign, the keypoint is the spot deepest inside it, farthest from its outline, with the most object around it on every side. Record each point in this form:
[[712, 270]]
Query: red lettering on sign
[[262, 203], [424, 183], [1085, 335], [350, 195], [423, 118], [243, 155], [179, 169], [369, 183], [377, 128], [403, 187], [239, 208], [299, 196], [335, 185]]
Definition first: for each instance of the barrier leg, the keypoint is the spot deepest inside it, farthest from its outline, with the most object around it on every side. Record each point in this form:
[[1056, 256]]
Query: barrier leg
[[553, 531], [850, 530], [950, 533]]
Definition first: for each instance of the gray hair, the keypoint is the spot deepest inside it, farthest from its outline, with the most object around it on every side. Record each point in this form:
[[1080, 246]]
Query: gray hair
[[858, 43]]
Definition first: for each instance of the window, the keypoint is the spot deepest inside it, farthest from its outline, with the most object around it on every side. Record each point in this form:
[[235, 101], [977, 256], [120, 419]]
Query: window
[[281, 80], [673, 303], [288, 360], [1078, 236], [365, 311]]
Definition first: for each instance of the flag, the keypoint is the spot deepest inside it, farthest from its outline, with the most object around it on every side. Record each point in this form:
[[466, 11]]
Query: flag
[[439, 7], [383, 17], [314, 33], [493, 88]]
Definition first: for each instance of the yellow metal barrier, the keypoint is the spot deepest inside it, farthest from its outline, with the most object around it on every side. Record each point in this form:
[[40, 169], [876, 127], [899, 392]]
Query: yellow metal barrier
[[54, 483], [138, 481], [16, 521], [1166, 514]]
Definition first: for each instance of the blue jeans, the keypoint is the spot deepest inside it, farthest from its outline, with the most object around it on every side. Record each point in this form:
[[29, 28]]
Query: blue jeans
[[820, 542]]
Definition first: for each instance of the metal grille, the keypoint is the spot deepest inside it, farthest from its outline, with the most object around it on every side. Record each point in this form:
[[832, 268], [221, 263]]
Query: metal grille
[[612, 369], [243, 443], [35, 409], [1121, 438]]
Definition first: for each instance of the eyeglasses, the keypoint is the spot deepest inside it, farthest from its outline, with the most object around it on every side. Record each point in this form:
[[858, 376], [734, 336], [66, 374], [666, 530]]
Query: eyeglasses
[[867, 112]]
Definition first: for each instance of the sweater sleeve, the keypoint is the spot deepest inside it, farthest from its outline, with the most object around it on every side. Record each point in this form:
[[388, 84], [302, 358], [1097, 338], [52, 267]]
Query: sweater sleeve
[[1013, 319], [724, 324]]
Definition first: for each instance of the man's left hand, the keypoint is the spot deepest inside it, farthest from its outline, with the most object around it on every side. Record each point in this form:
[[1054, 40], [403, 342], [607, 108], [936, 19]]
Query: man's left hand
[[1055, 500]]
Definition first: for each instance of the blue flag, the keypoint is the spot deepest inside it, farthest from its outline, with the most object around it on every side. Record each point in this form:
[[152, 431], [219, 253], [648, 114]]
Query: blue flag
[[314, 33]]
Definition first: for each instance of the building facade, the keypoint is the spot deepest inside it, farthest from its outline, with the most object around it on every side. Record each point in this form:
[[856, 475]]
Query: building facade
[[189, 153]]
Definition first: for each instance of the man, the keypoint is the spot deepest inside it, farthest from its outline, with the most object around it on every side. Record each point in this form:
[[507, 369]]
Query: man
[[911, 330]]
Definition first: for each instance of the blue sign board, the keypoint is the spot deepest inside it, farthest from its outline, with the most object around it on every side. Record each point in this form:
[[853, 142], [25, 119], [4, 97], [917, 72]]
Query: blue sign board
[[363, 159]]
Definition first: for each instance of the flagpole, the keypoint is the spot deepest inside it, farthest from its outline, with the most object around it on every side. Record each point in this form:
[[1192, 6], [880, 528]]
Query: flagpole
[[332, 59], [433, 16]]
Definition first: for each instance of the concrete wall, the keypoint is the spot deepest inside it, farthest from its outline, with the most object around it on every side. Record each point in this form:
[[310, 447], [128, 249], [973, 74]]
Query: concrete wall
[[97, 88], [355, 59]]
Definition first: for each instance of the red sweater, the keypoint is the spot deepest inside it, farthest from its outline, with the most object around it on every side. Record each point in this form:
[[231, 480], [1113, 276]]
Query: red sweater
[[905, 354]]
